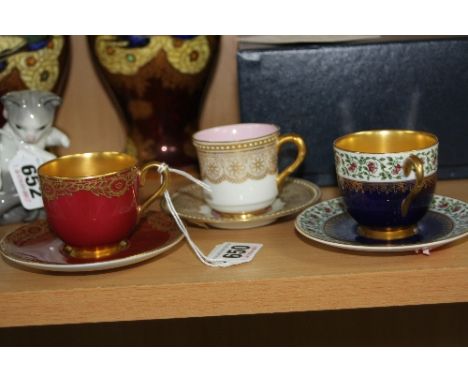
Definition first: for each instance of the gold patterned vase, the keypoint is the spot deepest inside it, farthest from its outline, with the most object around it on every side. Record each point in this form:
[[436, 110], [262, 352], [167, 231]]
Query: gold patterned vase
[[33, 63], [158, 84]]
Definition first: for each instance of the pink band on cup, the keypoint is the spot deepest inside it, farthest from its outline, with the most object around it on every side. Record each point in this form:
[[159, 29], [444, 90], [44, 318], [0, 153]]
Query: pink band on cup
[[237, 132]]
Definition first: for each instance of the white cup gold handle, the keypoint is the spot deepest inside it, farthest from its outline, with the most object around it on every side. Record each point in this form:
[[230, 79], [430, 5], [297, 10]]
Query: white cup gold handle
[[301, 153]]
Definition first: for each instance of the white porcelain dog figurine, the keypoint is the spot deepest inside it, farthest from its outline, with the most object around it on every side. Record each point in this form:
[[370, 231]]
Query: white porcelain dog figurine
[[29, 116]]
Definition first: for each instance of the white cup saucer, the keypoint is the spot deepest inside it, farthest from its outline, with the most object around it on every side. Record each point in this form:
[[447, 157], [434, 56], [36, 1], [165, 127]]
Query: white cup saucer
[[295, 195]]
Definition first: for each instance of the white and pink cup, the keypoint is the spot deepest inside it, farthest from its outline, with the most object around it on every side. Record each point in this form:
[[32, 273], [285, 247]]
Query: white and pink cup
[[240, 164]]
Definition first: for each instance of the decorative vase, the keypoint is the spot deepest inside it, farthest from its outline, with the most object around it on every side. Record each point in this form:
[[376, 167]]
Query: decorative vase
[[158, 84], [33, 63]]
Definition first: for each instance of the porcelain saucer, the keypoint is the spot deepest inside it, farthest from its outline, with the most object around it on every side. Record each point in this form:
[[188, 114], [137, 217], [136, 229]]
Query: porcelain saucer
[[33, 245], [329, 223], [295, 195]]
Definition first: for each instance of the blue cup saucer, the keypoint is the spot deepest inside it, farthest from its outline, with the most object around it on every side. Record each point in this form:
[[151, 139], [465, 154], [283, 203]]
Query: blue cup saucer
[[329, 223]]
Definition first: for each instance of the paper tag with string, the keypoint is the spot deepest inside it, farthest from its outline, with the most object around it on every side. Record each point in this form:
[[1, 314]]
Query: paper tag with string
[[223, 255], [234, 252]]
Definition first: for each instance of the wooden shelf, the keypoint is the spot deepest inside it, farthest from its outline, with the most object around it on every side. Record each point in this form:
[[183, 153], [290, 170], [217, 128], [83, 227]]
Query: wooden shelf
[[289, 274]]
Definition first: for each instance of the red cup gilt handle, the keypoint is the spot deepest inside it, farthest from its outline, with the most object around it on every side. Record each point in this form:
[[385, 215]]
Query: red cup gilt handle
[[163, 186]]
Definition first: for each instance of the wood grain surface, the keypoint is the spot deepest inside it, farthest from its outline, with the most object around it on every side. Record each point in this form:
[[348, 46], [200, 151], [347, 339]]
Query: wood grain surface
[[289, 274]]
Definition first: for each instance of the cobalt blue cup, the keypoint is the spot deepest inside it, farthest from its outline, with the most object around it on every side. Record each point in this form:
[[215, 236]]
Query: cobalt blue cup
[[387, 179]]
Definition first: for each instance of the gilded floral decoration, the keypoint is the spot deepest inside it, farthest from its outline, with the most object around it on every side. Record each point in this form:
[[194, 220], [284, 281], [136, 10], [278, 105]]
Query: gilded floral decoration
[[237, 167], [187, 56], [40, 69], [108, 186]]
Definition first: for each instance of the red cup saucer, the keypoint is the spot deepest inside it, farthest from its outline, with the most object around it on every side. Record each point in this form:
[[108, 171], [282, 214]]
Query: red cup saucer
[[33, 245]]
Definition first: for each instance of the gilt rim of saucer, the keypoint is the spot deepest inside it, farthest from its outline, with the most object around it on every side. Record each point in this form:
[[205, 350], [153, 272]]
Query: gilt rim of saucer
[[104, 265], [312, 187], [91, 266]]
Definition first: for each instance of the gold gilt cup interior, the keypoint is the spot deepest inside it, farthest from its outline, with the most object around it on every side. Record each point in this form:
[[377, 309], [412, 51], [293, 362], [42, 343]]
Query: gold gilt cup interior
[[386, 141], [87, 165]]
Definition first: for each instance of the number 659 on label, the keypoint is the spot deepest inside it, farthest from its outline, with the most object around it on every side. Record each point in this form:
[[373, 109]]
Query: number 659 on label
[[234, 252]]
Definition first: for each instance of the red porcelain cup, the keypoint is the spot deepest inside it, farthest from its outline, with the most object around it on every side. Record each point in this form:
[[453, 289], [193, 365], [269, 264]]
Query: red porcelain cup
[[91, 200]]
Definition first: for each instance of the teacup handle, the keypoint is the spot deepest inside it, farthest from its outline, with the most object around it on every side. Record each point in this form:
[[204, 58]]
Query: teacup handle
[[417, 165], [301, 153], [163, 186]]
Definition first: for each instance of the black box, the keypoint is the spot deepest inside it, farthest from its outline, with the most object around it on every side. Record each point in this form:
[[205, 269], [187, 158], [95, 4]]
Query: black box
[[323, 91]]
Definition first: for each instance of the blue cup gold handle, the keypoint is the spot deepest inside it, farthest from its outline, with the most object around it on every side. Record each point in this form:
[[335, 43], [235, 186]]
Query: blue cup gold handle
[[417, 165]]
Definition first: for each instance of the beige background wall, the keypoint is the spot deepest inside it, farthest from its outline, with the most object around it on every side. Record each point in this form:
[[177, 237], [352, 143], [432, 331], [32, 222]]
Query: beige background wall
[[91, 121]]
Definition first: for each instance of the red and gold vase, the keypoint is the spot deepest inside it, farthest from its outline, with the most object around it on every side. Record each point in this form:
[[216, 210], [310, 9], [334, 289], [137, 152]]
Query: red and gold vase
[[158, 84], [34, 63]]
